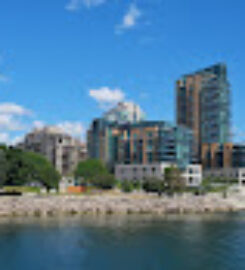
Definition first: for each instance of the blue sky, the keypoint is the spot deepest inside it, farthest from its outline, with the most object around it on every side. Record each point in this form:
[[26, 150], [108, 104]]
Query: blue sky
[[54, 54]]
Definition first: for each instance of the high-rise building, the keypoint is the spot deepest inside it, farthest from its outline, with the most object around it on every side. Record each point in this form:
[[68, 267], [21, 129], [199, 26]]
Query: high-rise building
[[62, 150], [99, 137], [203, 105], [125, 112], [145, 142]]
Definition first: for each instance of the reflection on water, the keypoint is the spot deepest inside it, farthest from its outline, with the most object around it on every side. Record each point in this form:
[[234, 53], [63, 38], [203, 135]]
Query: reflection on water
[[124, 242]]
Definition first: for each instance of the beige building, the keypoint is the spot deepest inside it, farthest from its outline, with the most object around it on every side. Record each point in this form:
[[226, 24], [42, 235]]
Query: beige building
[[61, 149]]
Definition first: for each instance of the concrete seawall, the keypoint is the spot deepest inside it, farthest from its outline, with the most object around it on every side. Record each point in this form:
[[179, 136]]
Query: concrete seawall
[[118, 204]]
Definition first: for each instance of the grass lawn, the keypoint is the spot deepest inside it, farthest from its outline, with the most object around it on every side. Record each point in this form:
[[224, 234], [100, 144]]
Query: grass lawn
[[22, 189]]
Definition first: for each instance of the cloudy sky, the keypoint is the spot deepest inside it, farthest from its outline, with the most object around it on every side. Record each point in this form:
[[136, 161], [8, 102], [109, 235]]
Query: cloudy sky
[[63, 62]]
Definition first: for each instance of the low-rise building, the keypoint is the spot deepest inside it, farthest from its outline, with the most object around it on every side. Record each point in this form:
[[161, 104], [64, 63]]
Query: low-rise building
[[192, 174], [227, 155], [224, 161], [61, 149], [234, 174]]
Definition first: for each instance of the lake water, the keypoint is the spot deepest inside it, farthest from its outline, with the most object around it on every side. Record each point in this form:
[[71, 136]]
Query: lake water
[[126, 242]]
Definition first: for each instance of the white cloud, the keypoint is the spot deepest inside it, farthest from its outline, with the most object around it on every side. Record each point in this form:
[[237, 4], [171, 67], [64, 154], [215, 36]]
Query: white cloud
[[75, 5], [4, 138], [106, 96], [9, 123], [12, 120], [75, 129], [130, 19], [13, 109], [16, 140], [38, 124]]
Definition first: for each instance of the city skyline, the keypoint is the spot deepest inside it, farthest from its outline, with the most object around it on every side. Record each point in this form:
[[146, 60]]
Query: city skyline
[[73, 65]]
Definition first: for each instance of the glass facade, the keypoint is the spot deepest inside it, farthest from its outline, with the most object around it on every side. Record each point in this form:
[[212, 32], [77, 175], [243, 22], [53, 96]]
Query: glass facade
[[139, 143], [203, 105], [215, 106]]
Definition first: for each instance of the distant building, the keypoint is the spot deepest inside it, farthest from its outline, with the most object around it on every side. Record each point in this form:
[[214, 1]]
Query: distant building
[[203, 105], [145, 142], [62, 150], [125, 112]]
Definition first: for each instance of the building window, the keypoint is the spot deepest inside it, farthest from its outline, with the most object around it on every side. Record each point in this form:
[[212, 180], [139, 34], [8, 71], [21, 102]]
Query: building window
[[150, 134]]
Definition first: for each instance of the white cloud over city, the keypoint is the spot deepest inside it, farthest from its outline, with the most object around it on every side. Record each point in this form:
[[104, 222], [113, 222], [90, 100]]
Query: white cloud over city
[[13, 109], [106, 96], [13, 119], [130, 18], [74, 5], [4, 137], [38, 124], [75, 129]]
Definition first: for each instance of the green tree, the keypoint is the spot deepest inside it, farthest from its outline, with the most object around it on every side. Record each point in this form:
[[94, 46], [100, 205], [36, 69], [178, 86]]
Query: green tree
[[173, 179], [42, 170], [18, 171], [93, 171], [3, 165], [89, 169], [25, 167]]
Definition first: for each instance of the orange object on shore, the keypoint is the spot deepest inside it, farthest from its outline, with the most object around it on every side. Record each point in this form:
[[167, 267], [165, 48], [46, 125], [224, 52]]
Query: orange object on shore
[[76, 189]]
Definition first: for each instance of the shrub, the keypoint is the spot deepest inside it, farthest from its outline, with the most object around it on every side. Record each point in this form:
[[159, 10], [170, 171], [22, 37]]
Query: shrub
[[137, 184], [127, 186], [104, 181], [153, 185]]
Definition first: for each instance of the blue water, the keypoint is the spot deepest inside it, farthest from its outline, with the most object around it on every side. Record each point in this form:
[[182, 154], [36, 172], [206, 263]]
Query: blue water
[[191, 242]]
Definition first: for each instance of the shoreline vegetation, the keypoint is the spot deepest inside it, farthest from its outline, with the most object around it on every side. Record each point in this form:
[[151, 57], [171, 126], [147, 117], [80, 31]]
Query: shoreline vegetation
[[113, 203], [25, 175]]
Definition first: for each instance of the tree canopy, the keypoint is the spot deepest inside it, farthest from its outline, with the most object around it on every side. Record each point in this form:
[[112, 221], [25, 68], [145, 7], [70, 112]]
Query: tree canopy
[[19, 168], [93, 171], [90, 169], [173, 179]]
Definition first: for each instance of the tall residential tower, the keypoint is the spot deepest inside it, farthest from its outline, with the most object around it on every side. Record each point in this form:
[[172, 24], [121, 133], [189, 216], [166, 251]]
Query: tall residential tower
[[203, 105]]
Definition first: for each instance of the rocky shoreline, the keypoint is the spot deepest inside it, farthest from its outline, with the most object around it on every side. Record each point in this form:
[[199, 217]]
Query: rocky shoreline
[[118, 204]]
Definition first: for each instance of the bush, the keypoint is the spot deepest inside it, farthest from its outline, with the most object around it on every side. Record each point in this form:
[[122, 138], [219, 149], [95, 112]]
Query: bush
[[153, 185], [137, 184], [104, 181], [127, 186]]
